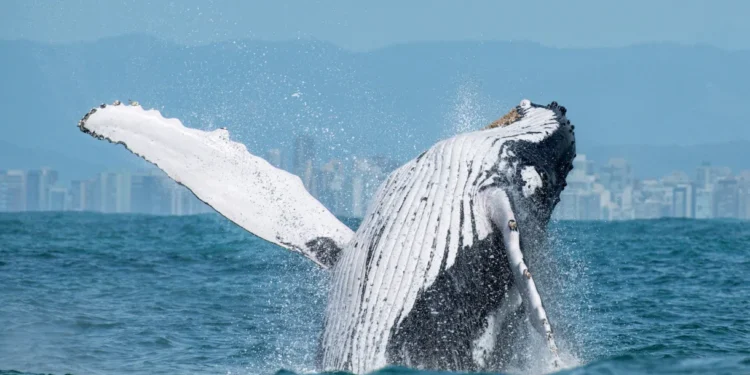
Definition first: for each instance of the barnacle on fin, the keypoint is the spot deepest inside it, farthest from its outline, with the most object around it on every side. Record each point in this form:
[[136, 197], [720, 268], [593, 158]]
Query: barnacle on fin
[[512, 225]]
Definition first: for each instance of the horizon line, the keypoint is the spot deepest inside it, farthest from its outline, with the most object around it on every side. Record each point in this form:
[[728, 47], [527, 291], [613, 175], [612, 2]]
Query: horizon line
[[311, 40]]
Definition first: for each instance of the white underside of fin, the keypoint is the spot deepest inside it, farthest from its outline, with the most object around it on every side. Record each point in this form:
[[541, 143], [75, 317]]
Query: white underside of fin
[[499, 208], [262, 199]]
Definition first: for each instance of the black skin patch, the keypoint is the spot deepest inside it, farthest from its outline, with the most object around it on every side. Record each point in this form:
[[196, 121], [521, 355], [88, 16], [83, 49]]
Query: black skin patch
[[448, 316], [325, 250]]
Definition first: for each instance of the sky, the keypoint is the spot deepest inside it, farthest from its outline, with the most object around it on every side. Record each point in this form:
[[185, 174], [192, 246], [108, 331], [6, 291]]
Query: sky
[[361, 26]]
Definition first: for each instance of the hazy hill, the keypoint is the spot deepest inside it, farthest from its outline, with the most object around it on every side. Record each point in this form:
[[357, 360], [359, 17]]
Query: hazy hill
[[394, 101]]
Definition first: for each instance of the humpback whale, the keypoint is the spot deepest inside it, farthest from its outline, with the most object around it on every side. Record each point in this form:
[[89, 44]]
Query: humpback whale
[[436, 276]]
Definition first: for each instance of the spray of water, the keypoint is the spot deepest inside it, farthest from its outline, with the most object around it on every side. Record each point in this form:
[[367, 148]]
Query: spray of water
[[466, 113], [471, 109]]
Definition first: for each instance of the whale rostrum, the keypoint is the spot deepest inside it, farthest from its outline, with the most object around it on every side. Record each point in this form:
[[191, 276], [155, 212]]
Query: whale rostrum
[[436, 276]]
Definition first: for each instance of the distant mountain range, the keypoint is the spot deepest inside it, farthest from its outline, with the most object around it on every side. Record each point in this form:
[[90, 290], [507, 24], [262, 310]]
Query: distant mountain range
[[397, 101]]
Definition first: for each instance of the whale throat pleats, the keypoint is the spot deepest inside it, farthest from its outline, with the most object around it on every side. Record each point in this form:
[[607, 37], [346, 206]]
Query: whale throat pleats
[[429, 268]]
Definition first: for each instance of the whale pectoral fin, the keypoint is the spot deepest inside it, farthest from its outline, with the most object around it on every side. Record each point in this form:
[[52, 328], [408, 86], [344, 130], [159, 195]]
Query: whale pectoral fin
[[247, 190], [501, 214]]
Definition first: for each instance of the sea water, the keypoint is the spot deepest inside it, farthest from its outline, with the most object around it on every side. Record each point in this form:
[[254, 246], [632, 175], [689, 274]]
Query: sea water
[[86, 293]]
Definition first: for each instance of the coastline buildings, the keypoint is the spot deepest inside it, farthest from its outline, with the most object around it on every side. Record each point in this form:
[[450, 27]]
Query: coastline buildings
[[612, 193], [331, 187], [125, 192], [13, 191], [727, 198], [345, 187], [304, 161], [37, 185]]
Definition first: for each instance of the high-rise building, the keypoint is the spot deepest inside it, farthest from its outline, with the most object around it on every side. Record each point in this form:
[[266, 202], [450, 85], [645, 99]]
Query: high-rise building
[[590, 206], [14, 185], [49, 179], [38, 183], [304, 160], [579, 205], [583, 198], [107, 192], [91, 196], [683, 201], [179, 202], [330, 187], [367, 175], [309, 179], [57, 199], [706, 175], [122, 192], [676, 178], [583, 165], [567, 208], [651, 208], [616, 175], [184, 202], [704, 203], [141, 192], [33, 190], [727, 198], [654, 200], [152, 194], [617, 178], [360, 172], [141, 188], [78, 191], [703, 175]]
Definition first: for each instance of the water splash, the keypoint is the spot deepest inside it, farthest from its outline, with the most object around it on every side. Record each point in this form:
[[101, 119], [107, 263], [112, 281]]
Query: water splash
[[466, 114]]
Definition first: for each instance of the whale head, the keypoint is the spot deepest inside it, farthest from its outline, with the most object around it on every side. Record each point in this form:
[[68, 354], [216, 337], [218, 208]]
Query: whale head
[[536, 155]]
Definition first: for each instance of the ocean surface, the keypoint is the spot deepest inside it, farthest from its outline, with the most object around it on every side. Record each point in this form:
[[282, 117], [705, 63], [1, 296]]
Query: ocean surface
[[127, 294]]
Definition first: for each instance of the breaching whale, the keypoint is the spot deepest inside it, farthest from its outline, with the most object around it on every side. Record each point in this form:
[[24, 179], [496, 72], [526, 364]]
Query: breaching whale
[[436, 276]]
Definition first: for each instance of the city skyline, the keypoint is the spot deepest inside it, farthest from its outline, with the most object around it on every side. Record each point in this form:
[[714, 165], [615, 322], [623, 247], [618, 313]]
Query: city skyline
[[141, 192], [611, 192], [606, 192]]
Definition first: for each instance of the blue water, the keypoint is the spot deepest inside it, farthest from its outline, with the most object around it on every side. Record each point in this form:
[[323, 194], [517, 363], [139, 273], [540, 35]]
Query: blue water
[[102, 294]]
